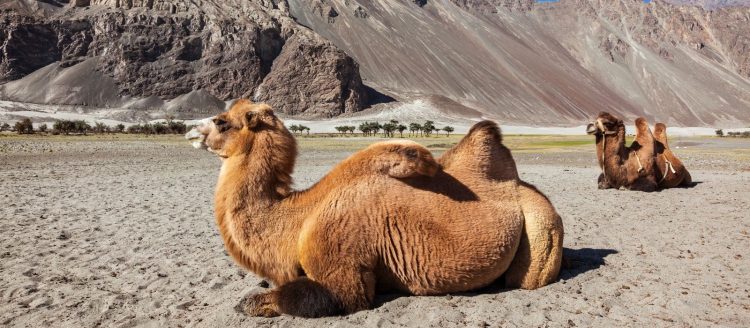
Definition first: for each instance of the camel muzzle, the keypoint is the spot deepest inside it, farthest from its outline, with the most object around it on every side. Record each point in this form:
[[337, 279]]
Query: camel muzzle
[[197, 136], [591, 128]]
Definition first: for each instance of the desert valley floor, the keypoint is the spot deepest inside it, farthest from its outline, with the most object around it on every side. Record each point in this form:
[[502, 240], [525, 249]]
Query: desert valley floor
[[118, 231]]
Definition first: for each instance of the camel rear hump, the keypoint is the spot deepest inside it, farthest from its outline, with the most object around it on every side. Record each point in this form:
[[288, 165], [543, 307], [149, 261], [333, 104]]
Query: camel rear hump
[[482, 152]]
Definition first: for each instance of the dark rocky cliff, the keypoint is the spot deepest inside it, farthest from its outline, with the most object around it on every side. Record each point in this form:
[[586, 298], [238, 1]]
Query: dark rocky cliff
[[169, 48]]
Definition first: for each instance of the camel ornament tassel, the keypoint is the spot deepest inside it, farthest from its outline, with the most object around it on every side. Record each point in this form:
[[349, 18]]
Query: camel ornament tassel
[[329, 249]]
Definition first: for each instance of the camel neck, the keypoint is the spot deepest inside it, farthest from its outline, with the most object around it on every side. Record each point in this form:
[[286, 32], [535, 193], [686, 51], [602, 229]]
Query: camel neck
[[611, 148], [250, 211]]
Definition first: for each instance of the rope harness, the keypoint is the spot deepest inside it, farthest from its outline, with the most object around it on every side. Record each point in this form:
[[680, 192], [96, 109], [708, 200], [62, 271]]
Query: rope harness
[[604, 146], [640, 166], [667, 167]]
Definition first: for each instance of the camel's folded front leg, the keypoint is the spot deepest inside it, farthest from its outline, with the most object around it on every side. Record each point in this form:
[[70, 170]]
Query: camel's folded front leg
[[301, 297], [604, 182]]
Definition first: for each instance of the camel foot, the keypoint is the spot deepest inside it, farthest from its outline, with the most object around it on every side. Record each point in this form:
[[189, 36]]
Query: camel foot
[[301, 297], [259, 305]]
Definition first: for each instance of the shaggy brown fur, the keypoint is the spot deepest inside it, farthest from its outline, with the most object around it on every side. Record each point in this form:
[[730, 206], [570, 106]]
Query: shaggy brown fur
[[624, 167], [386, 218], [538, 259], [670, 172]]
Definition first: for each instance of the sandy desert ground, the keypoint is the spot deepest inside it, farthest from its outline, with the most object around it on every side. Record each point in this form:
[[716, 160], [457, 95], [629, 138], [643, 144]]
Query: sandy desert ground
[[117, 231]]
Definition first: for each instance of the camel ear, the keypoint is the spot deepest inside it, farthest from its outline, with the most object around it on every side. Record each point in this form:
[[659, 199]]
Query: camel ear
[[252, 120]]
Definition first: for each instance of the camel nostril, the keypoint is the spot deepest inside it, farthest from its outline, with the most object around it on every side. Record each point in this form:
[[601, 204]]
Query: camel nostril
[[193, 134]]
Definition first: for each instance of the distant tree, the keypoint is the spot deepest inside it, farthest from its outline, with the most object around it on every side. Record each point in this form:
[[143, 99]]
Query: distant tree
[[448, 130], [364, 128], [388, 129], [428, 127], [24, 126], [100, 128], [401, 128], [341, 129], [303, 128], [5, 127], [68, 127], [119, 128], [42, 128], [160, 128], [370, 128], [375, 127], [81, 127], [135, 128], [719, 133], [147, 128], [414, 128], [293, 128], [176, 127]]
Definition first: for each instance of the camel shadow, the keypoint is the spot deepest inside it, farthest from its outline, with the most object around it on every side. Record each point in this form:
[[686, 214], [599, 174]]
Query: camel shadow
[[691, 185], [579, 261], [575, 262], [444, 184]]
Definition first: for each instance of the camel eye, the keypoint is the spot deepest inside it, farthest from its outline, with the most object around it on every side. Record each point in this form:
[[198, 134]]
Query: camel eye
[[221, 124]]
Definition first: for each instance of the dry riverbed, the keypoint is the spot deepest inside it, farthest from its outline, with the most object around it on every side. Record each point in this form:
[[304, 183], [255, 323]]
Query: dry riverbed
[[117, 231]]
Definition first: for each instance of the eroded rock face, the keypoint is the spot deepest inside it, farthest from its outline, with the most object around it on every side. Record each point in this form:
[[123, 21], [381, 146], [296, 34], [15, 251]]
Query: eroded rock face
[[302, 78], [170, 48]]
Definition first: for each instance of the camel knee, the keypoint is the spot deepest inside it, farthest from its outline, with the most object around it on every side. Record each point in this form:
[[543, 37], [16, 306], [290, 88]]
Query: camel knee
[[354, 291]]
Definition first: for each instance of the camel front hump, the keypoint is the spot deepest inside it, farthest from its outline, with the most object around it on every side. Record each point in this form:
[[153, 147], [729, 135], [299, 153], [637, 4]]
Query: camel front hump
[[414, 239]]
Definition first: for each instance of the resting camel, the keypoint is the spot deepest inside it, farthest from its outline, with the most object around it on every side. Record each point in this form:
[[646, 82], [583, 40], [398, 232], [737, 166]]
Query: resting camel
[[389, 217], [624, 167], [670, 172]]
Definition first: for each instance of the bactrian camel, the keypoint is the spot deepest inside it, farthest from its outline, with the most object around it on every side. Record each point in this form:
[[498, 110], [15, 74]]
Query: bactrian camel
[[390, 217], [646, 165]]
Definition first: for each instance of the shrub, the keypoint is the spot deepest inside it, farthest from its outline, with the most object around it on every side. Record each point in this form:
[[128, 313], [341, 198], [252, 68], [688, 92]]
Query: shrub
[[136, 128], [100, 127], [24, 126]]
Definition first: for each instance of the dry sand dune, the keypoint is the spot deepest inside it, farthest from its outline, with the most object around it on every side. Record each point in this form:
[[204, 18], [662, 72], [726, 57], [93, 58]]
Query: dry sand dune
[[120, 233]]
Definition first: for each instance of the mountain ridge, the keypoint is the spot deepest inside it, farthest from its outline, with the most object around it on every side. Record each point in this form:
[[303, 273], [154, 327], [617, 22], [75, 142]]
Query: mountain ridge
[[516, 61]]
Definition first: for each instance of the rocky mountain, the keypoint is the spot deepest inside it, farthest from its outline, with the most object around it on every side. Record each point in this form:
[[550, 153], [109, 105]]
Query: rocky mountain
[[140, 53], [550, 63], [712, 4], [684, 62]]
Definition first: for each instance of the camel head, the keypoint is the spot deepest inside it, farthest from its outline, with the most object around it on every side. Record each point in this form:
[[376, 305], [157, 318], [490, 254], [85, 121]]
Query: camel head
[[660, 129], [233, 132], [605, 124]]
